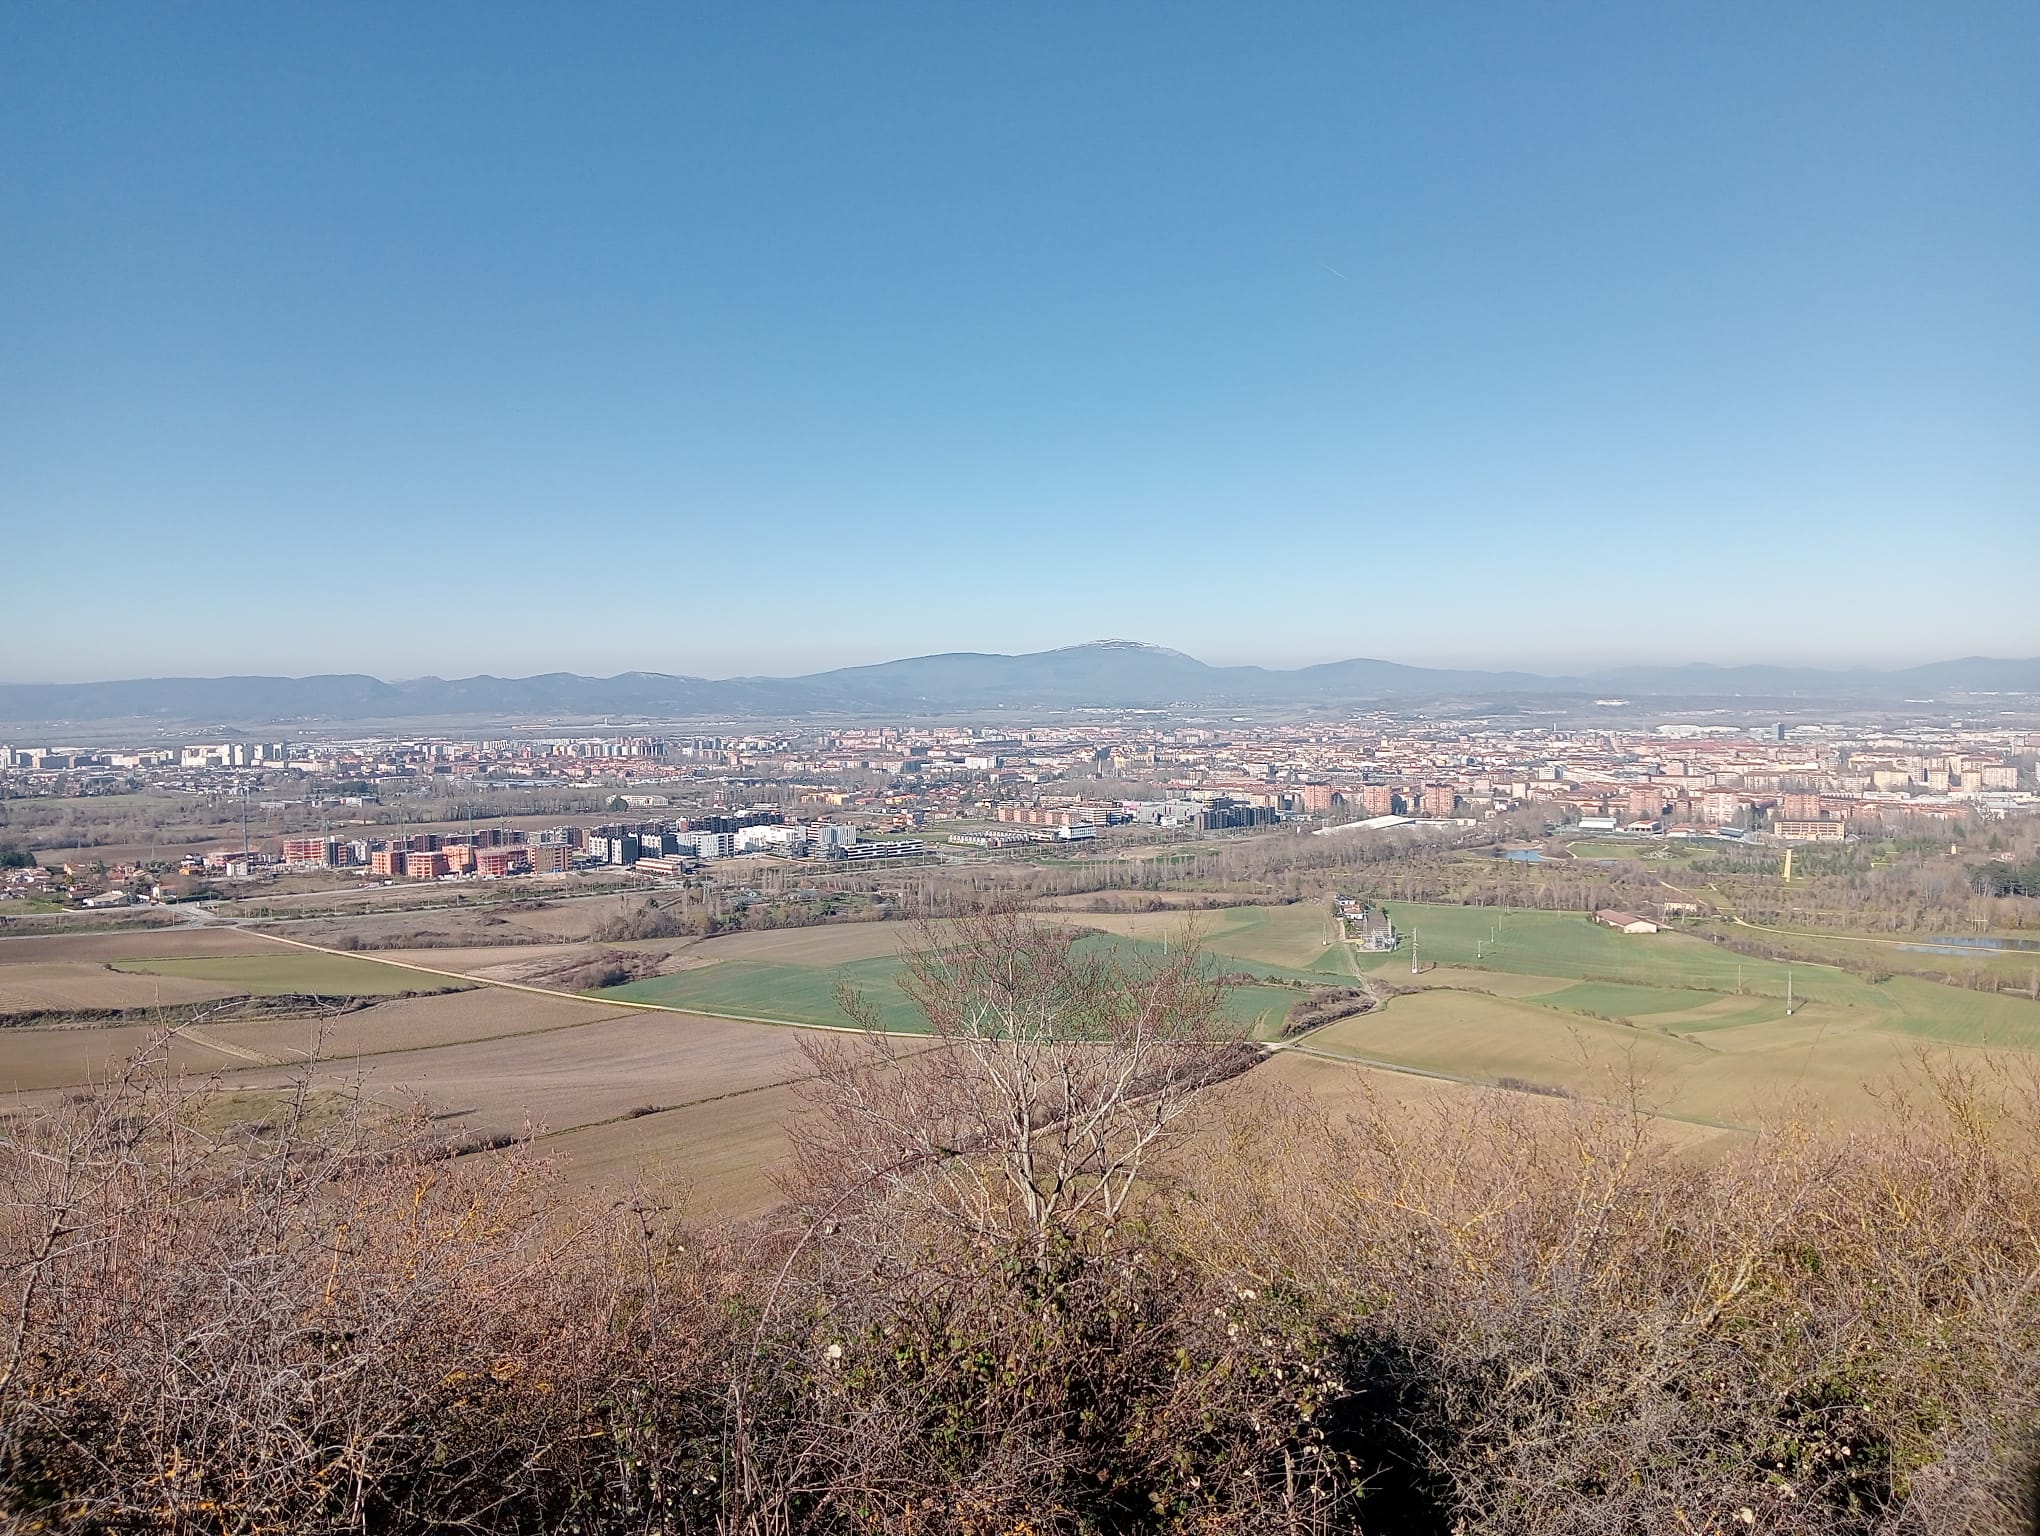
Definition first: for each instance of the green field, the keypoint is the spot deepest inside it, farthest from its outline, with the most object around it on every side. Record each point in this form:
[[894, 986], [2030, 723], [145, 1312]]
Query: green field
[[286, 971], [1616, 965], [793, 993], [1288, 940], [778, 993], [1694, 1028], [1703, 1029], [1571, 944], [1612, 850]]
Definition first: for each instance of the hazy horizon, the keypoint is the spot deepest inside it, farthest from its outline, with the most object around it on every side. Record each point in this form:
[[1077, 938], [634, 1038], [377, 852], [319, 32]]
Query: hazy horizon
[[1477, 664], [453, 340]]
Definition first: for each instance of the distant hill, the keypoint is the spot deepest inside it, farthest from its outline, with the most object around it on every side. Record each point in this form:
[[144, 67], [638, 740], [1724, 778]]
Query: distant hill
[[1104, 674]]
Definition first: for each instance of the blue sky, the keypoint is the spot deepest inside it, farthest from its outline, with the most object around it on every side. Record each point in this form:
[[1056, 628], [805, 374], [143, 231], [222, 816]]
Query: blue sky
[[718, 339]]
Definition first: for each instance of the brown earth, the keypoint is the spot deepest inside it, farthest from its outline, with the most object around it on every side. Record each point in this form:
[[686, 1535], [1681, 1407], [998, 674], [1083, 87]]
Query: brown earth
[[414, 1023], [560, 1079], [140, 944], [81, 984]]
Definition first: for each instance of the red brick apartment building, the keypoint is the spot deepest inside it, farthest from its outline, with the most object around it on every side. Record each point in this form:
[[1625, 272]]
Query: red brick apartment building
[[1055, 816]]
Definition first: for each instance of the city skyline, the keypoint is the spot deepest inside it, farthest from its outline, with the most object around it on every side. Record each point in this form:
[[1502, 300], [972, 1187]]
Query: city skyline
[[454, 342]]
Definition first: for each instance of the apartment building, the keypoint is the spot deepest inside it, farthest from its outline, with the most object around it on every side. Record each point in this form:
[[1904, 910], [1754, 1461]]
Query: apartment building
[[495, 863], [1809, 830]]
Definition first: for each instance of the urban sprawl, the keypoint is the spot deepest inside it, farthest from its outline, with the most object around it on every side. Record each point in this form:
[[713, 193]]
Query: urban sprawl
[[901, 792]]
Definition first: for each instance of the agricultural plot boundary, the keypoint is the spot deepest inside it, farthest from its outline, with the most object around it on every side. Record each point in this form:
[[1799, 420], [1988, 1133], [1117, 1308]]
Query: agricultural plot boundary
[[1269, 1047], [551, 992]]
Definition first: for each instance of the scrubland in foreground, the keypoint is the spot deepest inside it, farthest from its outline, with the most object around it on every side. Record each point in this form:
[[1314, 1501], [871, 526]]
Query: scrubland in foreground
[[996, 1299]]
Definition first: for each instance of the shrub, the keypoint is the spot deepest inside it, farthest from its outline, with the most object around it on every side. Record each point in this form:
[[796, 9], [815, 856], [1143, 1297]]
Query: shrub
[[1552, 1321], [1047, 1269], [1324, 1006], [649, 921]]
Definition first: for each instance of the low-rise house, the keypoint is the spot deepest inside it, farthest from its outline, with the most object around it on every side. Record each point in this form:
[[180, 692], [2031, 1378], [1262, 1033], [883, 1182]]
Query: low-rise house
[[1624, 922]]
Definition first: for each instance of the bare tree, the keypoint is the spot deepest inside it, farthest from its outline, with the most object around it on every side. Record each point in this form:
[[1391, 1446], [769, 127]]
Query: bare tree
[[988, 1346], [1053, 1071]]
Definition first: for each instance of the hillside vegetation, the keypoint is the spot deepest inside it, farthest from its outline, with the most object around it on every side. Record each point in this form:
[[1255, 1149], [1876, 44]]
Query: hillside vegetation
[[1052, 1265]]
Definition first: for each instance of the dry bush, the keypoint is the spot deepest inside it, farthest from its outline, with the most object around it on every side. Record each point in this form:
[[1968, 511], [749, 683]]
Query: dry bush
[[1326, 1005], [310, 1326], [1553, 1322], [591, 973], [970, 1332], [909, 1378], [649, 921], [1009, 1293], [330, 1325]]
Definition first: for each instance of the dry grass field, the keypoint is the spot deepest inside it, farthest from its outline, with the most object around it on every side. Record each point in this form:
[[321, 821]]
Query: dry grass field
[[1342, 1092], [1485, 1038], [411, 1024], [1337, 1087], [509, 962], [716, 1156], [80, 984], [567, 920], [447, 921], [491, 1061], [559, 1079], [275, 970], [35, 1061], [1824, 1063], [721, 1155], [183, 940]]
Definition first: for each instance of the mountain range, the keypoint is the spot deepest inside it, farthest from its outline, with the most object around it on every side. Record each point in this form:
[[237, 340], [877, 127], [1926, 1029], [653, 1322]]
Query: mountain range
[[1101, 674]]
